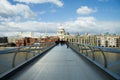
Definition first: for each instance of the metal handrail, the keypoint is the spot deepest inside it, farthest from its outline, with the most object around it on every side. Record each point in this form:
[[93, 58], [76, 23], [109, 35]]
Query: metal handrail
[[96, 48], [113, 50], [112, 71], [28, 49], [92, 50], [105, 59]]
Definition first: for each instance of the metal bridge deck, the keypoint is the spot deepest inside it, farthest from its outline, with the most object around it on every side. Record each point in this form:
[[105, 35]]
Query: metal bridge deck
[[60, 63]]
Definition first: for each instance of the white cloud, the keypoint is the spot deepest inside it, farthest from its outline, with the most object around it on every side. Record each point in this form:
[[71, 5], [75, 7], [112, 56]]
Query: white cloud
[[9, 34], [56, 2], [82, 22], [108, 26], [29, 26], [42, 12], [91, 25], [85, 10], [81, 25], [9, 11]]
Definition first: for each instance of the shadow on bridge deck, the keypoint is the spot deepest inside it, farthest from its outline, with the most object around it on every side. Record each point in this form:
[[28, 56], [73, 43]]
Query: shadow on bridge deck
[[60, 63]]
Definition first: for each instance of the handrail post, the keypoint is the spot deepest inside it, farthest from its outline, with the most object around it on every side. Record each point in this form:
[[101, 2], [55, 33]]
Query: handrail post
[[82, 48], [35, 50], [105, 60], [27, 52], [86, 50], [92, 50], [14, 57], [78, 48]]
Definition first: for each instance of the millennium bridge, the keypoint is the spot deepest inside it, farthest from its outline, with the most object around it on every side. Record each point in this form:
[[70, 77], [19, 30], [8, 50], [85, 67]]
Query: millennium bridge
[[50, 61]]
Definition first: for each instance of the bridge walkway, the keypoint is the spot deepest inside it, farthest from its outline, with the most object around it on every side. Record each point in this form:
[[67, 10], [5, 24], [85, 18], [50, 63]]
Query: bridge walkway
[[60, 63]]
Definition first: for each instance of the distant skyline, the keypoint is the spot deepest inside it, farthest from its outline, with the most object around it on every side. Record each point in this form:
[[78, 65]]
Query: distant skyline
[[91, 16]]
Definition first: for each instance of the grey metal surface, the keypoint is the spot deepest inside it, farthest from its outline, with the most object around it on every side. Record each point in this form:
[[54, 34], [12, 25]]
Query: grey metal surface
[[61, 63]]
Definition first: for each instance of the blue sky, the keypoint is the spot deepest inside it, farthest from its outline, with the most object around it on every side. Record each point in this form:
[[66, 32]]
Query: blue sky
[[92, 16], [106, 10]]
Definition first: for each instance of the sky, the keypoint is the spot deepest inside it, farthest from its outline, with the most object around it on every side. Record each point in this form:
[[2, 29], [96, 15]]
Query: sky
[[83, 16]]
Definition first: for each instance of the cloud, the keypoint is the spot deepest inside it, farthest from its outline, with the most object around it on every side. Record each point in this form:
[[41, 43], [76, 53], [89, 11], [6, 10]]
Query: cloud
[[56, 2], [85, 10], [28, 26], [42, 12], [81, 25], [108, 26], [91, 25], [9, 11], [9, 34], [82, 22]]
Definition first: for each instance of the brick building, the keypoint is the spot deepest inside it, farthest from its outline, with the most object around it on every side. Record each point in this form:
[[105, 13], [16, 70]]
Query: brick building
[[25, 41]]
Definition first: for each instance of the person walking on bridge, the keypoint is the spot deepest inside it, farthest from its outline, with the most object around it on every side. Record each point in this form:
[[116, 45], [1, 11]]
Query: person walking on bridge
[[67, 43]]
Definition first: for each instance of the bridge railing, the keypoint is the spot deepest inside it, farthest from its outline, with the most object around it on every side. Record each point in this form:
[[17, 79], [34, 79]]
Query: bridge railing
[[10, 58], [108, 59]]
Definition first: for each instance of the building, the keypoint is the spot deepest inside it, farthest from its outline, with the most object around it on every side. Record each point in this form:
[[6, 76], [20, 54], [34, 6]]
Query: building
[[12, 39], [108, 40], [3, 41], [61, 34], [49, 39], [25, 34], [25, 41], [118, 42], [96, 40]]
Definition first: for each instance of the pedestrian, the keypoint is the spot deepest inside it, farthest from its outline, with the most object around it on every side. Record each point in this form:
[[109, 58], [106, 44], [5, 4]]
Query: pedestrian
[[67, 43]]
